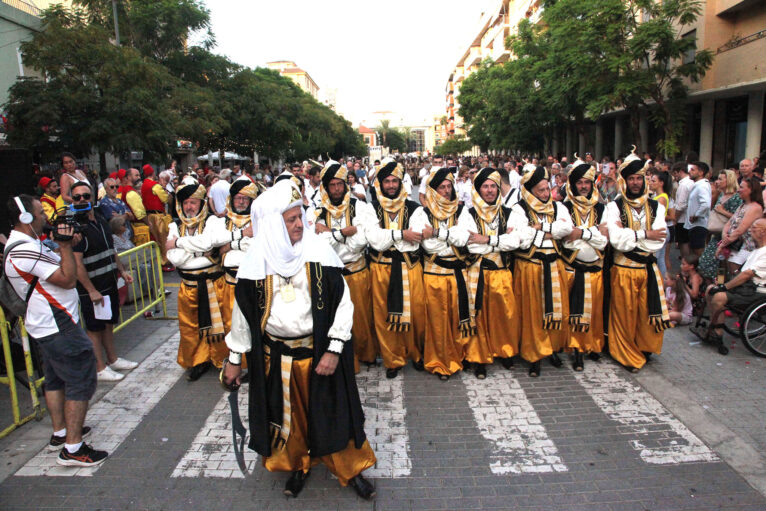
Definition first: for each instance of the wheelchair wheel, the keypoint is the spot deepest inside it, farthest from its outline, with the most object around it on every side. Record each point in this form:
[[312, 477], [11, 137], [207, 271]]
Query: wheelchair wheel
[[753, 328]]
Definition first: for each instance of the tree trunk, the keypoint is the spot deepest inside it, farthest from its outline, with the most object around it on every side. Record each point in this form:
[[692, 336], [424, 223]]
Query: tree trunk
[[102, 172], [635, 124]]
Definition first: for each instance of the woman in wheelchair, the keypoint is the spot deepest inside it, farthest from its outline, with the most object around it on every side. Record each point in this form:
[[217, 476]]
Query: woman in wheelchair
[[748, 286]]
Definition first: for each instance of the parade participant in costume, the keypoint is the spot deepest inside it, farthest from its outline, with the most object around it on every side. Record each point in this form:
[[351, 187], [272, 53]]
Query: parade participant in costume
[[50, 190], [342, 221], [311, 213], [129, 180], [398, 301], [638, 314], [292, 317], [154, 198], [200, 319], [448, 314], [540, 273], [588, 241], [231, 235], [491, 281]]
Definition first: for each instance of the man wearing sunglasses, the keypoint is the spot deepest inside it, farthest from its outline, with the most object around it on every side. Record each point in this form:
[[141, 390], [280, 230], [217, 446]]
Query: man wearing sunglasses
[[98, 268], [111, 206]]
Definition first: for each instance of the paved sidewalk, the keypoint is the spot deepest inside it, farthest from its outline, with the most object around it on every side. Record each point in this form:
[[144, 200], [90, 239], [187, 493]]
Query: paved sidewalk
[[670, 437]]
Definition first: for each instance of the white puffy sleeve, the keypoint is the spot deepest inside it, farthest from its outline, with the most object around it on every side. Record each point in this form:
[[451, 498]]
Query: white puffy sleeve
[[238, 339], [625, 239], [526, 234], [562, 226], [365, 217], [648, 245], [340, 331], [178, 256]]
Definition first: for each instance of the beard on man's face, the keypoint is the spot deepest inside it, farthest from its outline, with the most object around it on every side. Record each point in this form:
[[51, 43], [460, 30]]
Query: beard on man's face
[[394, 194]]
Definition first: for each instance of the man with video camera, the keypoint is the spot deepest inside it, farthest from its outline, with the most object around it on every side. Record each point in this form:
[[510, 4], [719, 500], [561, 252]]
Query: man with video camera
[[47, 282]]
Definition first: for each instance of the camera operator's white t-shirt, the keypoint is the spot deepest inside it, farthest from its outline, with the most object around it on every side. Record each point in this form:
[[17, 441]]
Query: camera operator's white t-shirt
[[51, 308]]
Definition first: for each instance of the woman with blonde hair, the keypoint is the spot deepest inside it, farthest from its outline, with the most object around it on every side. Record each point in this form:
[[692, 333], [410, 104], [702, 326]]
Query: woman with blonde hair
[[736, 240], [726, 204]]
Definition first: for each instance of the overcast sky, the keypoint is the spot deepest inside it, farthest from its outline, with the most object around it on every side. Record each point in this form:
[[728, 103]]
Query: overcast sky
[[386, 55]]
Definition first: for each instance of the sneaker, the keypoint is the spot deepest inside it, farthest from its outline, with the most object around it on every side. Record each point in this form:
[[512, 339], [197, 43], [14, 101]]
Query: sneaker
[[123, 365], [57, 442], [108, 374], [86, 456]]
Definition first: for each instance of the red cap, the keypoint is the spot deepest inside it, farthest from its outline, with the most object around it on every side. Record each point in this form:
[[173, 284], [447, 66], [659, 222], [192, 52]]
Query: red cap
[[122, 173], [148, 170], [113, 175], [44, 182]]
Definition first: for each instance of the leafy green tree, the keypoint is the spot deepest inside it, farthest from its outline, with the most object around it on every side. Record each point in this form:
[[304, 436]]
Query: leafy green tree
[[585, 58], [394, 140], [157, 28], [383, 130], [456, 146], [91, 98]]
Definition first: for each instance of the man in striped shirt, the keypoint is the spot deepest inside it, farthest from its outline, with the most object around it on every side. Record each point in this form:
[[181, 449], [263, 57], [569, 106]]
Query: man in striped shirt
[[46, 281]]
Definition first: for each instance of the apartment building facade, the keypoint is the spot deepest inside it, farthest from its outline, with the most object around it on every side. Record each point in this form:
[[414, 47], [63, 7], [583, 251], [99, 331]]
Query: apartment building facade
[[725, 111]]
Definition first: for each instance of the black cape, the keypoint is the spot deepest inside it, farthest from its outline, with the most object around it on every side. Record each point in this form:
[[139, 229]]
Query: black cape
[[335, 413]]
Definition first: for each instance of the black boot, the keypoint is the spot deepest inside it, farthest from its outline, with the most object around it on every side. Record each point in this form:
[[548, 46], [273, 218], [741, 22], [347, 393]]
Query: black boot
[[419, 366], [594, 356], [197, 371], [555, 360], [534, 369], [362, 487], [296, 482], [507, 362], [480, 371], [391, 373], [579, 363]]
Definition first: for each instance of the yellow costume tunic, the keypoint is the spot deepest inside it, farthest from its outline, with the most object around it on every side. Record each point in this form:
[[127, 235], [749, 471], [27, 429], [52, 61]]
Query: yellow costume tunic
[[541, 323], [446, 335], [405, 340], [586, 327], [157, 219], [632, 330], [218, 232], [198, 272], [496, 325], [351, 250], [141, 232]]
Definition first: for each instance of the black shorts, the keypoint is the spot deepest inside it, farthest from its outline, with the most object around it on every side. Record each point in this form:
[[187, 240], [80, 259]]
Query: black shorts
[[743, 295], [69, 363], [682, 234], [671, 234], [89, 317], [697, 237]]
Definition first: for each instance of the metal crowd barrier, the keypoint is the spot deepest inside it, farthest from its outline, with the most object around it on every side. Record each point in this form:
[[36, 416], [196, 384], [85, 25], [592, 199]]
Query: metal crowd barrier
[[33, 382], [146, 292]]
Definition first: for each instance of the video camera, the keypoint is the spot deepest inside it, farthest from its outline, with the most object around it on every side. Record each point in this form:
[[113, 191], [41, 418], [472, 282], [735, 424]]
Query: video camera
[[73, 215]]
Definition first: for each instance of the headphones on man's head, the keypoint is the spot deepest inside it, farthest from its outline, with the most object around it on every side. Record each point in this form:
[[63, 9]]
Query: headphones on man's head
[[25, 217]]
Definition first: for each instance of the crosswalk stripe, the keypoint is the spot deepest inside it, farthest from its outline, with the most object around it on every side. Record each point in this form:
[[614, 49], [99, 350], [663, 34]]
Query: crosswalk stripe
[[383, 405], [659, 437], [211, 453], [506, 418], [120, 411]]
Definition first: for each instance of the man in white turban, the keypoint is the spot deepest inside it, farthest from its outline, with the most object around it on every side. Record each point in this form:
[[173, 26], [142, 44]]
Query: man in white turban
[[292, 318]]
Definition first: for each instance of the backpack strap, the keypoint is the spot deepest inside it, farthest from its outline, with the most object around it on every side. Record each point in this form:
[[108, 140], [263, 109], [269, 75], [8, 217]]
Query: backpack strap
[[32, 284]]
